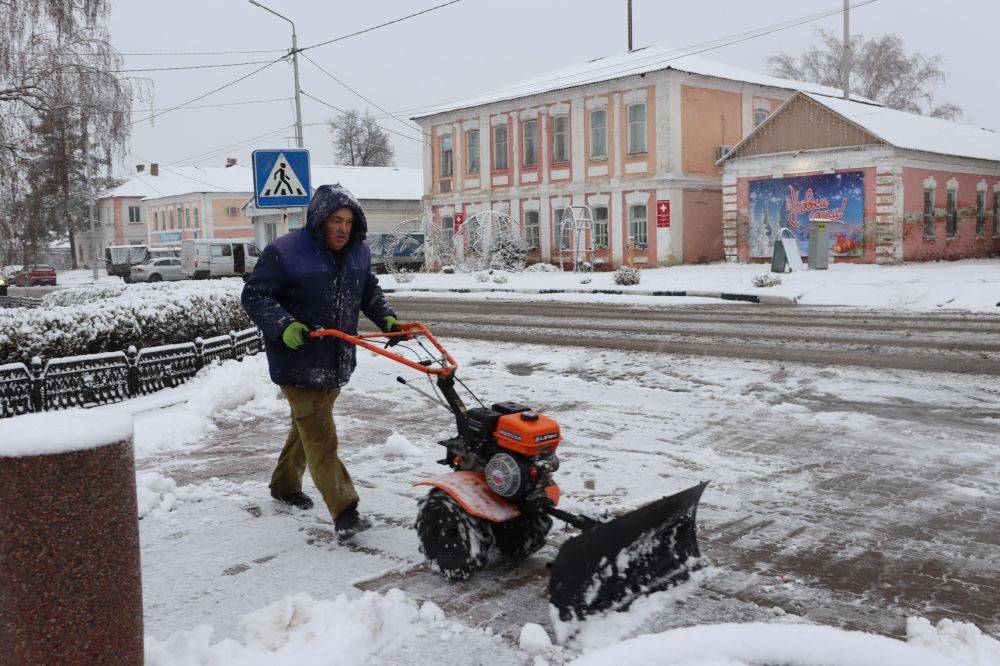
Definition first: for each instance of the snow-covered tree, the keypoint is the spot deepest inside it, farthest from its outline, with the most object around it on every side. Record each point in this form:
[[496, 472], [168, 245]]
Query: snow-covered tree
[[59, 85], [881, 70], [359, 141]]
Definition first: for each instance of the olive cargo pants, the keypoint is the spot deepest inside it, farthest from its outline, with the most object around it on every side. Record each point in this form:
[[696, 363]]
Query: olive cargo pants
[[312, 441]]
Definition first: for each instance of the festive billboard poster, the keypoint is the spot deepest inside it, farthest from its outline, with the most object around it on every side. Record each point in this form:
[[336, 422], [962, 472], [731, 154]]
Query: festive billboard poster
[[798, 203]]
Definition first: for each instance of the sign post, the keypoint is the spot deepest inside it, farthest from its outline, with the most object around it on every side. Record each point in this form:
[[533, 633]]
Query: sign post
[[281, 178]]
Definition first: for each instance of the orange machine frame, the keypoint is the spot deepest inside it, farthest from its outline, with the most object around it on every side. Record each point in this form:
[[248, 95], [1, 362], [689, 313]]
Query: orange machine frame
[[409, 331]]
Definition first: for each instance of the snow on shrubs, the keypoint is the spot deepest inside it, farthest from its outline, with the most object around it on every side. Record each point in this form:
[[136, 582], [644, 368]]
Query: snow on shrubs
[[627, 276], [88, 321], [766, 280]]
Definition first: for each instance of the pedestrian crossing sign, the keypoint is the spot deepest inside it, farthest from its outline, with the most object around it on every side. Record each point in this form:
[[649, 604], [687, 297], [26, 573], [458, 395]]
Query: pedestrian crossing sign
[[281, 178]]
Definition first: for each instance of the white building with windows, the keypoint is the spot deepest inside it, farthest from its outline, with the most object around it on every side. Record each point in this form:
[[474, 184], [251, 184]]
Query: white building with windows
[[635, 137], [388, 195]]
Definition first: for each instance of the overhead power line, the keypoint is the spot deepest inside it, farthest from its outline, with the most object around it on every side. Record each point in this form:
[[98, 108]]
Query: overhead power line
[[221, 149], [186, 67], [215, 106], [643, 63], [382, 25], [408, 124], [217, 188], [210, 92], [354, 115]]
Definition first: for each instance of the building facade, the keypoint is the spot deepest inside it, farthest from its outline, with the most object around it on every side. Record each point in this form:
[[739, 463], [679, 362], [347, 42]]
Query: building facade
[[388, 195], [889, 186], [634, 137]]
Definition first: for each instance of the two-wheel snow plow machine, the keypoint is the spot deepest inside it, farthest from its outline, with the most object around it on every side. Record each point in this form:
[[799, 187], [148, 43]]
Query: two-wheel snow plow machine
[[501, 492]]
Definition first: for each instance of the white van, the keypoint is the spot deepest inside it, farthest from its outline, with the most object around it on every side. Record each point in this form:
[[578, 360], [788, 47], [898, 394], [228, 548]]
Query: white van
[[218, 257]]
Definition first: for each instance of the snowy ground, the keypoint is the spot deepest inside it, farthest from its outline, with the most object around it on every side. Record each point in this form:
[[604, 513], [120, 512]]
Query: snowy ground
[[966, 285], [817, 513], [84, 276]]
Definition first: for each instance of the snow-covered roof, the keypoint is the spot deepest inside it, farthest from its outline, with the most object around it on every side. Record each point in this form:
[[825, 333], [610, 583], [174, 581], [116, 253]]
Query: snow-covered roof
[[173, 181], [395, 183], [916, 132], [641, 61], [389, 183]]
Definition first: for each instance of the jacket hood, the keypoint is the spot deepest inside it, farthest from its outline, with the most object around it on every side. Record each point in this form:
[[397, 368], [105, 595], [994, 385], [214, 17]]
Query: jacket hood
[[329, 198]]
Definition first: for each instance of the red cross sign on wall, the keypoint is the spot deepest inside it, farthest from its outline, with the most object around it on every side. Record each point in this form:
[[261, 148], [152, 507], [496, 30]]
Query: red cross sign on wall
[[663, 213], [459, 218]]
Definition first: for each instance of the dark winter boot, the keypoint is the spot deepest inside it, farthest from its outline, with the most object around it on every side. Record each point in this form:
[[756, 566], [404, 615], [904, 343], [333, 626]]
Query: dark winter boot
[[299, 499], [350, 522]]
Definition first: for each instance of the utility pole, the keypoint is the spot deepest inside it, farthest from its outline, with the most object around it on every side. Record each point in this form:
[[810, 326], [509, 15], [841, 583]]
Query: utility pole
[[295, 67], [630, 25], [846, 74], [90, 200]]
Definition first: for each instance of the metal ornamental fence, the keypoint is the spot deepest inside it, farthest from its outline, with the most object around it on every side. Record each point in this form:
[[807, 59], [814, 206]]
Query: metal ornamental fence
[[100, 379]]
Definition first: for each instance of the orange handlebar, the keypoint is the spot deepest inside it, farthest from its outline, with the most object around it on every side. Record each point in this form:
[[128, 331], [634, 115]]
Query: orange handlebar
[[408, 330]]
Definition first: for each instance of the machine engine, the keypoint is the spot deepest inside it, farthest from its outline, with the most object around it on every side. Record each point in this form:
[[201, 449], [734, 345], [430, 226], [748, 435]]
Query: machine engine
[[514, 447]]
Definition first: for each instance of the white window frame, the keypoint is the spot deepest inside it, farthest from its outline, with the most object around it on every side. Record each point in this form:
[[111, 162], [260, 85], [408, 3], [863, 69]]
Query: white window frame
[[448, 224], [560, 139], [531, 140], [472, 151], [980, 213], [600, 227], [196, 218], [187, 218], [636, 129], [758, 118], [636, 230], [532, 229], [447, 161], [601, 137], [951, 228], [928, 217], [501, 159]]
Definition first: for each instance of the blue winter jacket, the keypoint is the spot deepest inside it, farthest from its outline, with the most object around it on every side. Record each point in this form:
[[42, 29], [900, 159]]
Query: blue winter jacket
[[297, 278]]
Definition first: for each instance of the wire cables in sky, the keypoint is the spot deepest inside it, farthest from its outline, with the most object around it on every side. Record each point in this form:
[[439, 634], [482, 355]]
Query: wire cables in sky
[[354, 115]]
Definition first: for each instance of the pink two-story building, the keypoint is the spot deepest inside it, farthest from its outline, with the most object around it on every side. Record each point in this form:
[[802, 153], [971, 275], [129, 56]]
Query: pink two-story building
[[636, 137]]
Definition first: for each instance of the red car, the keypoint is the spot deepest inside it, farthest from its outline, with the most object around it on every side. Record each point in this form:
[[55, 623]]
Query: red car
[[35, 274]]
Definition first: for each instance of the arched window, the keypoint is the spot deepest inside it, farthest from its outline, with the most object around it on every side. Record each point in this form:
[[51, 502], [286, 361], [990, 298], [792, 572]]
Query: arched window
[[759, 116]]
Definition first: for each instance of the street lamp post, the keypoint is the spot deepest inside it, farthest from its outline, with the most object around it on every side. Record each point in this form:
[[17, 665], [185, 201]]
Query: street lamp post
[[295, 66]]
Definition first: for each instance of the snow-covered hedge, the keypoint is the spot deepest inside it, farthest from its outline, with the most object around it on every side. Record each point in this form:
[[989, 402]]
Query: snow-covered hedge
[[627, 276], [88, 321]]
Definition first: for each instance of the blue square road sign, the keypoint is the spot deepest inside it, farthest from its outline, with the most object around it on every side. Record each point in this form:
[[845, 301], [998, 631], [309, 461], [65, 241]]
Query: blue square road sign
[[281, 178]]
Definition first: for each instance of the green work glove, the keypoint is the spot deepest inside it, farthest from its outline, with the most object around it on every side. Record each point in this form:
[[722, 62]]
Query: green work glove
[[392, 324], [294, 335]]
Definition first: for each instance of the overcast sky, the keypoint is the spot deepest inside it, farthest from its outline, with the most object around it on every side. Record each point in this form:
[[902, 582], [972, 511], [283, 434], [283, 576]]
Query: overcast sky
[[472, 47]]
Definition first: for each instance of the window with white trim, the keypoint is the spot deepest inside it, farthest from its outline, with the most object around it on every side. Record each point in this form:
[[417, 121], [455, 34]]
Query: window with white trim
[[531, 229], [448, 224], [195, 212], [472, 151], [981, 213], [929, 212], [171, 225], [500, 148], [134, 215], [562, 220], [529, 143], [637, 128], [600, 226], [187, 218], [599, 134], [156, 221], [180, 217], [446, 167], [996, 214], [759, 116], [560, 139], [952, 213], [637, 225]]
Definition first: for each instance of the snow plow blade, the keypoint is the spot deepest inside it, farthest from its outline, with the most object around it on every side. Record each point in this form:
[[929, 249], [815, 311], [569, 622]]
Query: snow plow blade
[[611, 564]]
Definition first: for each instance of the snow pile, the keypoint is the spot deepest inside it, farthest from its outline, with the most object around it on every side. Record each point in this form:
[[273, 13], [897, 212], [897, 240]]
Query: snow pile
[[533, 638], [60, 432], [141, 315], [970, 284], [301, 630], [397, 446], [158, 494], [232, 389], [959, 640], [758, 643]]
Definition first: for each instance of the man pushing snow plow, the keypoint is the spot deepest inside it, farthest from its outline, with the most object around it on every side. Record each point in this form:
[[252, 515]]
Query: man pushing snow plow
[[501, 491]]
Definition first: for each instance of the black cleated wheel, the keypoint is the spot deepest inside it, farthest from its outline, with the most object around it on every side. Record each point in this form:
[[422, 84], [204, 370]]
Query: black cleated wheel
[[520, 537], [455, 543]]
